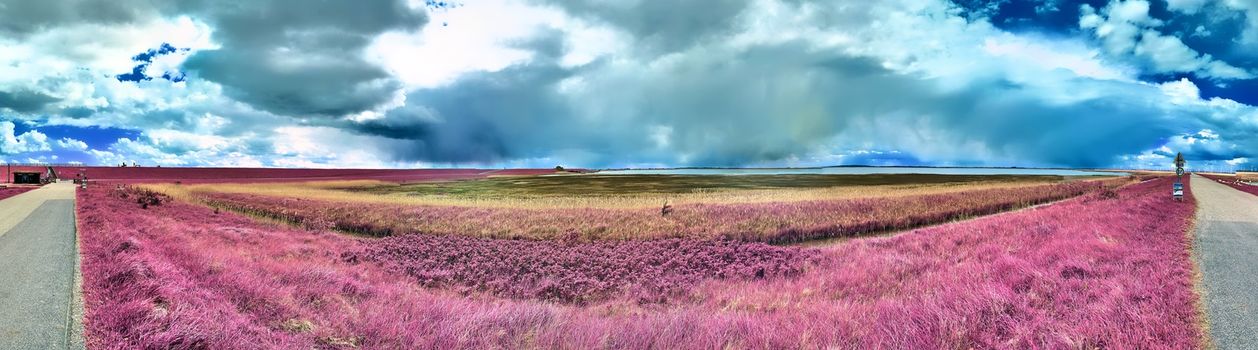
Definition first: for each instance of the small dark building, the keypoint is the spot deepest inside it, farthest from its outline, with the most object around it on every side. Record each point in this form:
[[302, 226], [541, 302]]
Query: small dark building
[[25, 178]]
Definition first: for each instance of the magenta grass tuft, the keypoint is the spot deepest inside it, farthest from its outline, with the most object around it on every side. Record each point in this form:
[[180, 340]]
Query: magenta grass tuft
[[1231, 182], [6, 192], [578, 272]]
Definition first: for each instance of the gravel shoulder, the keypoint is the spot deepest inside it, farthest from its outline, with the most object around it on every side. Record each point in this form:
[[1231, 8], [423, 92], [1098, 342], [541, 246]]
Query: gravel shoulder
[[1225, 244], [38, 256]]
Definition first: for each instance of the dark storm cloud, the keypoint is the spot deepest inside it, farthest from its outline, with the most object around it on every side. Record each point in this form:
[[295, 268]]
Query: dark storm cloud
[[291, 57], [660, 26], [486, 116], [1017, 123], [762, 104], [1228, 139], [300, 57], [25, 101], [1207, 153], [22, 17]]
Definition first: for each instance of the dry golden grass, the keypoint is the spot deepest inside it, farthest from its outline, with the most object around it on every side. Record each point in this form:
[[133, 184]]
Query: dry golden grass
[[779, 221], [343, 191]]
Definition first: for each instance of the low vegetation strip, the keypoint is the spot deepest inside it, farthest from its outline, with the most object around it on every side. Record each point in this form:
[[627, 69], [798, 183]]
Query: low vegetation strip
[[6, 192], [620, 191], [775, 222], [1231, 181], [1108, 269]]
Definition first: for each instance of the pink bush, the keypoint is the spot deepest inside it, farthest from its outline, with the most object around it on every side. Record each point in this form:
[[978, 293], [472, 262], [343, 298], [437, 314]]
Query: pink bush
[[1231, 181], [6, 192], [577, 272]]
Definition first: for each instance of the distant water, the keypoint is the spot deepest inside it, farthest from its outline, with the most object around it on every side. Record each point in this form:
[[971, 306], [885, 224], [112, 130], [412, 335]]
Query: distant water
[[860, 171]]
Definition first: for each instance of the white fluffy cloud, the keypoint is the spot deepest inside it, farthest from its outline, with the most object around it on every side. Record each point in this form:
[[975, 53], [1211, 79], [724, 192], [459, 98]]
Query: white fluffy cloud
[[70, 144], [12, 143], [1126, 30]]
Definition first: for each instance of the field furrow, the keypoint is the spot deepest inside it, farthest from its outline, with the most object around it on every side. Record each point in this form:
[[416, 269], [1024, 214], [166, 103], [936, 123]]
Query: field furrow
[[773, 222]]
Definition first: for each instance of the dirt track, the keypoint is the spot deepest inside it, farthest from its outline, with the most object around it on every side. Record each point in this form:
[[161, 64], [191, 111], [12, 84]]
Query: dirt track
[[39, 308], [1226, 250]]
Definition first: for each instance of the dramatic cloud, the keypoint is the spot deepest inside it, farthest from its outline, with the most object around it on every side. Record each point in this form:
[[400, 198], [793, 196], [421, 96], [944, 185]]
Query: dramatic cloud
[[629, 83], [24, 101], [12, 143], [1126, 29], [300, 57], [660, 26]]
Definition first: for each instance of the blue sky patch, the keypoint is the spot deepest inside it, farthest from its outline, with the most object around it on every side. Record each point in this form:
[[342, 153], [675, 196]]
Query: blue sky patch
[[94, 136], [144, 59]]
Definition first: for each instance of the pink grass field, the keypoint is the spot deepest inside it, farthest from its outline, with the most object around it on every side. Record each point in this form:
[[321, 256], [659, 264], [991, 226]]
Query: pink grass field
[[774, 222], [1231, 182], [1105, 270], [6, 192]]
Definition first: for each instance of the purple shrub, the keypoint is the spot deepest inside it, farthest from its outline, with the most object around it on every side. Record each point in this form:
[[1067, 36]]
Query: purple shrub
[[578, 272], [143, 197], [1231, 182], [6, 192]]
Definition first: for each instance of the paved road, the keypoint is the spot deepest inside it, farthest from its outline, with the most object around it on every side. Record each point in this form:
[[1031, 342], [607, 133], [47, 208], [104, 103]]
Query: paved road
[[1226, 245], [40, 307]]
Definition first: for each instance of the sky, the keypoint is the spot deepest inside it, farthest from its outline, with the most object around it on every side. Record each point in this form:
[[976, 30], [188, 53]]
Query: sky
[[630, 83]]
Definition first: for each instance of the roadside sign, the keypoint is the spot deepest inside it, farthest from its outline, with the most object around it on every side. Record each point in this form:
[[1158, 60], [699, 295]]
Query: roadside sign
[[1177, 191]]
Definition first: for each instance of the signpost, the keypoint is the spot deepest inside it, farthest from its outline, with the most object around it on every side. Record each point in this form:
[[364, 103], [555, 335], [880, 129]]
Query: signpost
[[1177, 190]]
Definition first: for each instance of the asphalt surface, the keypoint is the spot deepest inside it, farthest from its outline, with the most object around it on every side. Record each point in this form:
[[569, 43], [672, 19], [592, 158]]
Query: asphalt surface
[[1226, 249], [40, 306]]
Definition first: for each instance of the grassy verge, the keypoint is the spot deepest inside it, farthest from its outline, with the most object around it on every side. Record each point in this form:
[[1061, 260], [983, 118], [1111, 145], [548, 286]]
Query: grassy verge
[[1099, 271]]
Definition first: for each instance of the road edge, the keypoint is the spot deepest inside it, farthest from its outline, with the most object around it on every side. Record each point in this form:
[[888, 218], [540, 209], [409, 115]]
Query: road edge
[[1198, 287], [76, 339]]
